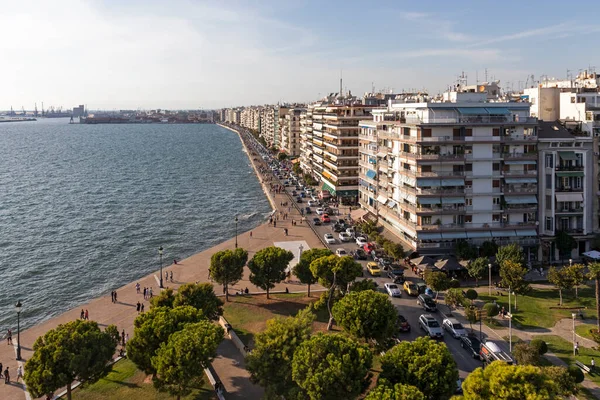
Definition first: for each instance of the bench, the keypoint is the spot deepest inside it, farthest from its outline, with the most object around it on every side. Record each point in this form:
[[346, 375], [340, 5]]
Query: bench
[[582, 366]]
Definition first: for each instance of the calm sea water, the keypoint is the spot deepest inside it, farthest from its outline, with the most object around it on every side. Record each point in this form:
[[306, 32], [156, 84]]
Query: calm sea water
[[84, 208]]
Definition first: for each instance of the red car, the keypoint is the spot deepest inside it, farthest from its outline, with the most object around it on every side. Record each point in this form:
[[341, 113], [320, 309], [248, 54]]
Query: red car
[[369, 247], [325, 218]]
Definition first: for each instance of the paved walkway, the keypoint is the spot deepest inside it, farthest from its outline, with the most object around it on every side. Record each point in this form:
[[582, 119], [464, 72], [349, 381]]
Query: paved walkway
[[192, 269]]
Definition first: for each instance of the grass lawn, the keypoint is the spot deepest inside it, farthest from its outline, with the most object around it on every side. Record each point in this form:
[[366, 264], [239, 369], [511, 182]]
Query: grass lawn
[[125, 381], [533, 310], [564, 350], [583, 330]]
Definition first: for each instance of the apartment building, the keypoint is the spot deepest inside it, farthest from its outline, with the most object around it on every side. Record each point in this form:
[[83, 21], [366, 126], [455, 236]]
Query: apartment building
[[568, 188], [290, 125], [458, 168], [306, 140]]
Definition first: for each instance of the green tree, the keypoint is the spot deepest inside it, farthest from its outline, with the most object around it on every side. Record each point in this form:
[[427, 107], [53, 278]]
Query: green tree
[[491, 310], [394, 250], [513, 276], [77, 350], [227, 267], [437, 281], [565, 382], [472, 295], [164, 299], [367, 315], [268, 266], [525, 354], [506, 382], [594, 273], [454, 297], [425, 363], [488, 249], [561, 279], [362, 285], [153, 328], [477, 267], [270, 362], [331, 367], [564, 243], [576, 373], [297, 169], [302, 269], [201, 296], [576, 274], [464, 251], [539, 346], [471, 315], [282, 156], [181, 361], [511, 252], [396, 392]]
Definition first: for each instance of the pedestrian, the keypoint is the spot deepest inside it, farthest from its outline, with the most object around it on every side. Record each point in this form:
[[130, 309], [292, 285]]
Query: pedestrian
[[274, 224], [19, 373], [287, 290], [285, 231], [6, 376], [142, 310], [166, 276], [87, 315], [1, 376], [144, 293], [502, 312], [175, 261], [126, 338], [82, 315], [576, 348], [171, 276], [593, 365], [123, 337], [151, 294], [115, 296], [250, 233], [137, 306], [9, 337], [137, 288]]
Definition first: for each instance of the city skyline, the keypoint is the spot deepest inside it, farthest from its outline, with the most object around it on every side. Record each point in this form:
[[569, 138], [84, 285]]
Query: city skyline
[[188, 55]]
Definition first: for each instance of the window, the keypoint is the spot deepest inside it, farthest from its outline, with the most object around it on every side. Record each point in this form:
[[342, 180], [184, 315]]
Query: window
[[468, 219], [496, 132], [469, 202], [426, 220], [456, 132], [548, 181], [468, 167], [549, 159], [496, 200], [469, 132], [549, 224], [577, 182], [426, 132], [426, 168], [495, 217], [572, 99], [496, 167], [496, 183], [548, 202], [468, 184]]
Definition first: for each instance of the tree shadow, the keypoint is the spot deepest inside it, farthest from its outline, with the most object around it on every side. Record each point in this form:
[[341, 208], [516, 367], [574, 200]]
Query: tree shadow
[[130, 385]]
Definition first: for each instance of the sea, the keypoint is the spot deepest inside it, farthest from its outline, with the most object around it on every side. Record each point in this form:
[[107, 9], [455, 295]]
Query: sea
[[84, 208]]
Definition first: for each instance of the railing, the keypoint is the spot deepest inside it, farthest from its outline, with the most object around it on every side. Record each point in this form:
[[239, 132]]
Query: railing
[[471, 225], [569, 168], [452, 190], [511, 207], [479, 157], [519, 137], [569, 210], [511, 189], [442, 209], [510, 156], [438, 173], [568, 189], [524, 172]]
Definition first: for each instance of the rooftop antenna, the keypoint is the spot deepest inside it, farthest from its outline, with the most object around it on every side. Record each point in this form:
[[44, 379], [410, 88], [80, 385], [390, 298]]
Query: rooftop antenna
[[373, 87], [486, 75], [476, 77], [341, 82]]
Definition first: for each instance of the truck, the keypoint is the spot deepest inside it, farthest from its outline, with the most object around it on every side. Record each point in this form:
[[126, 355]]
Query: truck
[[490, 352], [324, 194]]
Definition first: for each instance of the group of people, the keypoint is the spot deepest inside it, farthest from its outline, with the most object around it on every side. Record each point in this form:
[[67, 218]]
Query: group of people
[[6, 374], [113, 296], [85, 315], [139, 307], [167, 276]]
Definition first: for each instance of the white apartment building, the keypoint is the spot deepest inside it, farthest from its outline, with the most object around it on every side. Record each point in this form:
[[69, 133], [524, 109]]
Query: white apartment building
[[461, 168], [306, 140], [290, 131], [568, 188]]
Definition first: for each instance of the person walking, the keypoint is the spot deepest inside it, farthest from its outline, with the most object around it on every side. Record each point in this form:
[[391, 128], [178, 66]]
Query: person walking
[[166, 276], [20, 373], [593, 365], [9, 337], [250, 233], [123, 337], [142, 309], [6, 376], [82, 315], [145, 293], [576, 348], [1, 375], [137, 307], [87, 315], [171, 276], [137, 288]]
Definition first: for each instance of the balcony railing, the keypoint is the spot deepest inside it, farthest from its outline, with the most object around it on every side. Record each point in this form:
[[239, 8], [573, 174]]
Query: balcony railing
[[438, 191], [443, 209], [569, 168], [520, 156], [472, 225], [568, 189], [513, 189], [524, 172], [569, 210], [438, 173]]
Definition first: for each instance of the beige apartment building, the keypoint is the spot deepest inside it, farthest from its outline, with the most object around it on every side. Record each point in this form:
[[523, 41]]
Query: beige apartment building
[[290, 125]]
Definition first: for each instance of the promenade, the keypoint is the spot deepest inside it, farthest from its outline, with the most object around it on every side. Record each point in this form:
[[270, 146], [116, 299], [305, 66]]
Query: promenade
[[192, 269]]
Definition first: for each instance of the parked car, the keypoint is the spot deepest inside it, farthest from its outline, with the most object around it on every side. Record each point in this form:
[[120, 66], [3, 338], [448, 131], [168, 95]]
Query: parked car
[[338, 228], [385, 262], [307, 210], [329, 239], [361, 241], [359, 254], [369, 247], [431, 326], [392, 289], [351, 231], [344, 237], [325, 218], [396, 275], [373, 269], [427, 303], [299, 200], [472, 345], [402, 323], [319, 211], [317, 221], [312, 203], [454, 327], [341, 252], [421, 286], [410, 288]]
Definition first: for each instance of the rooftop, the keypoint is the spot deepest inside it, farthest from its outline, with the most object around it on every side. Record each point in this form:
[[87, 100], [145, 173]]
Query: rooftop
[[553, 130]]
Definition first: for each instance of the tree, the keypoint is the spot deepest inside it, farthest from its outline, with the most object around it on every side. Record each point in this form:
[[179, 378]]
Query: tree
[[201, 296], [488, 249], [394, 250], [438, 281], [268, 266], [454, 297], [153, 328], [472, 295], [539, 346], [181, 361], [282, 156], [471, 315], [296, 169], [367, 315], [77, 350], [576, 373], [511, 252], [561, 279], [464, 251], [270, 362], [396, 392], [164, 299], [477, 267], [425, 363], [491, 310], [564, 243], [331, 367], [362, 285], [576, 274], [525, 354], [594, 273], [566, 383], [227, 267], [506, 382], [513, 276], [302, 269]]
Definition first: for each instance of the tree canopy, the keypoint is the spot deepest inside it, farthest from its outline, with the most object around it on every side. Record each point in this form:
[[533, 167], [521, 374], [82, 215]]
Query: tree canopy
[[594, 273], [331, 367], [268, 266], [464, 250], [513, 276], [270, 362], [201, 296], [395, 392], [164, 299], [561, 279], [511, 252], [477, 267], [180, 362], [153, 328], [77, 350], [437, 281], [424, 363], [227, 267], [302, 269], [525, 354], [454, 297], [394, 250], [564, 243], [345, 268], [367, 315]]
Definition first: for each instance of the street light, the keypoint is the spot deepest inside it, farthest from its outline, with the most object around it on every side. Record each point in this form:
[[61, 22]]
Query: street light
[[490, 282], [509, 321], [236, 222], [18, 307], [160, 253], [574, 348], [570, 261]]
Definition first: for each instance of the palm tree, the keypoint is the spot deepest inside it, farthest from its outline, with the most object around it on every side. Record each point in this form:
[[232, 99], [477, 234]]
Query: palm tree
[[595, 274]]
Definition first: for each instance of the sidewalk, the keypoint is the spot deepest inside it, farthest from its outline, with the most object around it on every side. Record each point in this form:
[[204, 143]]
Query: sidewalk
[[192, 269]]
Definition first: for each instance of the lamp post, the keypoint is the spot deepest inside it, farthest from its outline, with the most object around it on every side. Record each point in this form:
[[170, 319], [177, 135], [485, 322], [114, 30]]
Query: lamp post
[[570, 262], [160, 253], [509, 321], [490, 281], [18, 307], [300, 248], [574, 348], [236, 222]]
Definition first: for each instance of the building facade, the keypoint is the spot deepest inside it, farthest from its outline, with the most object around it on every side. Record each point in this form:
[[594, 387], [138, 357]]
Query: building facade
[[290, 131]]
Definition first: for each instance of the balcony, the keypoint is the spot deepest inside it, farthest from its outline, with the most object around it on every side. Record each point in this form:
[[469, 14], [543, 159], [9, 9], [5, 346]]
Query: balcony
[[474, 157], [520, 207], [448, 209], [578, 210], [514, 189], [436, 174], [520, 173], [569, 168], [520, 156], [435, 157], [568, 189], [472, 225], [519, 138], [438, 191]]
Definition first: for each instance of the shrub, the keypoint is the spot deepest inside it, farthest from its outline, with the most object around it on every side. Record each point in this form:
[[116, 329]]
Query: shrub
[[492, 309], [454, 283], [576, 373], [539, 346], [471, 294]]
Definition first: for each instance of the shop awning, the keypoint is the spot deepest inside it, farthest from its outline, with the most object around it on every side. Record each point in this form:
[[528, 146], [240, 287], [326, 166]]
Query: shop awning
[[498, 111], [526, 232], [429, 236], [371, 174], [569, 173], [479, 235], [472, 111], [520, 180], [593, 254], [429, 182], [569, 196], [391, 204], [520, 162], [453, 200], [453, 182], [382, 199], [504, 234], [567, 155], [454, 235], [521, 200], [328, 188], [429, 200]]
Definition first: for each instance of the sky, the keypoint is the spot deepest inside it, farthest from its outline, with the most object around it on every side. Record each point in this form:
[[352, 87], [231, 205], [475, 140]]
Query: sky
[[186, 54]]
